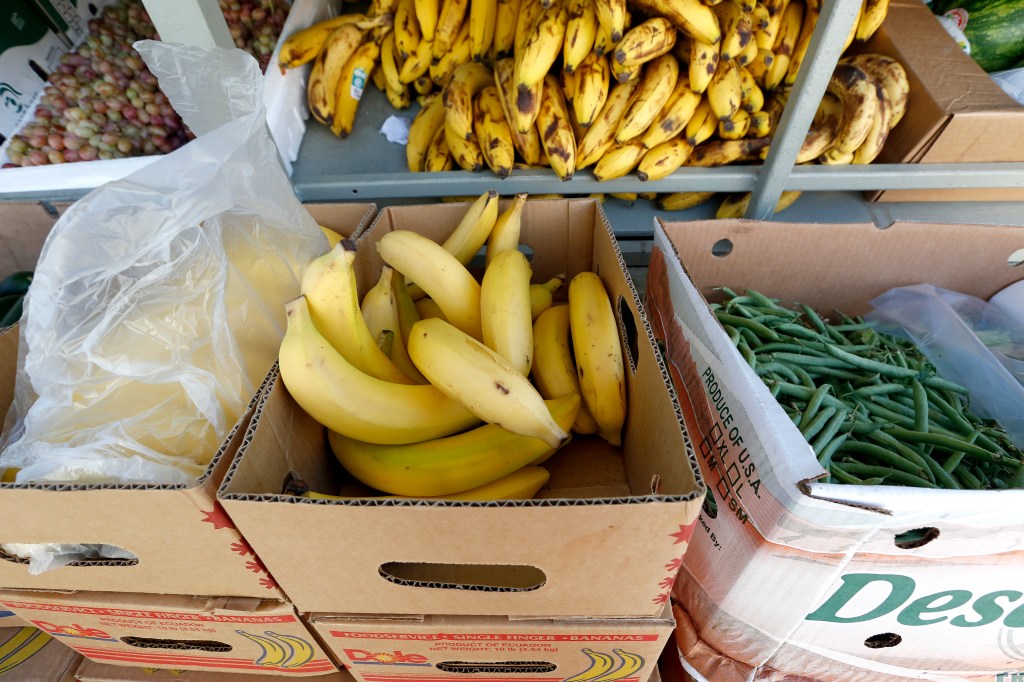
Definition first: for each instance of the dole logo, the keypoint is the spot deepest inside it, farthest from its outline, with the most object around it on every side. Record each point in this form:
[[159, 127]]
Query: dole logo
[[392, 657], [73, 630]]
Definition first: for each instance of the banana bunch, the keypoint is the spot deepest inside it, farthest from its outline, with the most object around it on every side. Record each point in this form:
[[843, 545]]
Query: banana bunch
[[439, 384]]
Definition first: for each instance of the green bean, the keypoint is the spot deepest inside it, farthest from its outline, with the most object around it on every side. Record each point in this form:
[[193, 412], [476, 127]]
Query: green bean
[[1018, 477], [831, 372], [870, 365], [880, 389], [751, 337], [744, 323], [764, 300], [771, 366], [920, 407], [789, 347], [814, 318], [945, 442], [968, 479], [815, 401], [881, 454], [797, 391], [810, 429], [828, 434], [903, 449], [825, 456], [797, 359], [836, 336], [734, 335], [804, 377], [952, 462], [863, 428], [727, 291], [747, 354], [843, 475], [775, 389], [940, 475], [854, 327], [894, 475], [798, 331]]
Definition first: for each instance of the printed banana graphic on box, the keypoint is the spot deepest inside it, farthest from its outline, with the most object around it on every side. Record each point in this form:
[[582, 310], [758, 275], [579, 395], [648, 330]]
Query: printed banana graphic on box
[[279, 650], [604, 667]]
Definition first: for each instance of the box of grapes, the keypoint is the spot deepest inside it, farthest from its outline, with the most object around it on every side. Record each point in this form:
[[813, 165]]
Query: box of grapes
[[861, 522], [87, 96]]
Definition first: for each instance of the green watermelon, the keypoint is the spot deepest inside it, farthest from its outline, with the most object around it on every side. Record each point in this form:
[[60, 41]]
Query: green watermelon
[[994, 28]]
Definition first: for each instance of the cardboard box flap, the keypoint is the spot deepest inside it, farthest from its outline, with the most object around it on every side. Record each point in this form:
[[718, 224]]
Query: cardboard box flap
[[841, 267]]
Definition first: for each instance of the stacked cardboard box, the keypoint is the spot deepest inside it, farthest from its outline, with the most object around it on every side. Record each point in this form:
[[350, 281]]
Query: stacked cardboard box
[[573, 584], [197, 597]]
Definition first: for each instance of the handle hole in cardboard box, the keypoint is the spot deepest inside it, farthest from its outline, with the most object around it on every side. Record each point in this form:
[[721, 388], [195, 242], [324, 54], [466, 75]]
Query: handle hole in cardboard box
[[177, 644], [721, 248], [497, 667], [91, 555], [629, 334], [1016, 258], [883, 640], [483, 577], [917, 537]]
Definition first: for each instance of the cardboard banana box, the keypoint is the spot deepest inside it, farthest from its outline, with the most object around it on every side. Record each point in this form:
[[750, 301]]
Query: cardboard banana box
[[604, 537], [27, 653], [92, 671], [172, 530], [789, 577]]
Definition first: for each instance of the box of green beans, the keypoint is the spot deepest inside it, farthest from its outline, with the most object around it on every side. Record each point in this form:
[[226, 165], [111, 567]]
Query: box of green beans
[[861, 522]]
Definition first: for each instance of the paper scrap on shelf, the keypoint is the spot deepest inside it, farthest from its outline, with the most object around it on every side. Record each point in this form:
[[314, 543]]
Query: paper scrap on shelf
[[396, 129]]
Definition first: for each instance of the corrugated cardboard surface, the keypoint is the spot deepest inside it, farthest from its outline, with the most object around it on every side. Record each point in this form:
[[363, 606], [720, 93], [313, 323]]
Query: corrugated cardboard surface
[[172, 529], [956, 112], [218, 634], [91, 671], [750, 583], [564, 553], [394, 649], [30, 655]]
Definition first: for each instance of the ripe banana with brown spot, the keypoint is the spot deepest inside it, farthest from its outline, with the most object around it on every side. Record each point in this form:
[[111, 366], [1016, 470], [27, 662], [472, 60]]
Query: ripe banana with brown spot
[[747, 55], [542, 47], [467, 80], [734, 206], [765, 37], [417, 65], [751, 95], [437, 156], [674, 116], [856, 90], [492, 132], [611, 16], [869, 150], [528, 144], [619, 161], [424, 126], [760, 124], [657, 85], [554, 370], [785, 43], [644, 42], [724, 152], [759, 66], [599, 360], [555, 129], [692, 17], [504, 29], [702, 124], [664, 159], [600, 136], [703, 63], [483, 18], [450, 19], [737, 29], [724, 92], [349, 92], [529, 13], [834, 157], [871, 18], [891, 75], [680, 201], [406, 29], [736, 127], [800, 49], [621, 73], [441, 70], [426, 15], [326, 71], [580, 33], [303, 46]]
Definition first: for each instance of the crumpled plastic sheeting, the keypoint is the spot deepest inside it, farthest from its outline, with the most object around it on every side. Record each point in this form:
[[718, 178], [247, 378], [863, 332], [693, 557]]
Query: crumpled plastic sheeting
[[46, 557], [157, 305]]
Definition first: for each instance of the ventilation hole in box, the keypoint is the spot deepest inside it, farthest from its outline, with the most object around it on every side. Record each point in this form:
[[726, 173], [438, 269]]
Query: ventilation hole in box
[[629, 329], [481, 577], [721, 248], [710, 506], [497, 667], [1016, 258], [883, 640], [132, 560], [177, 644], [918, 537]]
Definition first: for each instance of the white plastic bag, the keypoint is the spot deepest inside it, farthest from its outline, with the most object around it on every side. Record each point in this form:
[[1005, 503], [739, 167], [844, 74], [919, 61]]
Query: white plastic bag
[[969, 341], [157, 305]]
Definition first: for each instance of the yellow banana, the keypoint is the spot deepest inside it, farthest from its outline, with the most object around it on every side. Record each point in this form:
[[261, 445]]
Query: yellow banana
[[870, 148], [760, 17], [724, 91], [332, 237], [427, 307], [474, 228], [542, 295], [747, 6], [751, 95], [382, 9], [388, 65], [522, 484], [618, 161], [529, 13], [556, 133], [621, 73], [737, 29], [603, 43], [423, 87], [380, 310], [527, 144], [600, 136], [599, 362], [483, 16], [350, 88], [644, 42], [656, 87], [406, 307], [734, 206], [323, 383], [785, 44], [426, 16], [835, 157], [417, 64], [273, 653], [449, 20], [542, 47], [703, 63], [467, 80], [424, 127], [492, 132], [567, 79], [611, 16], [327, 68], [507, 228], [748, 54], [765, 37], [466, 152], [663, 159], [406, 29], [871, 18], [891, 75], [724, 152], [760, 124], [856, 90], [692, 17], [702, 124], [438, 273], [505, 309], [482, 381], [680, 201], [593, 78], [329, 287], [759, 66], [438, 157], [505, 29], [580, 33], [680, 108], [441, 70], [736, 127], [803, 41], [303, 46], [446, 466], [554, 371]]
